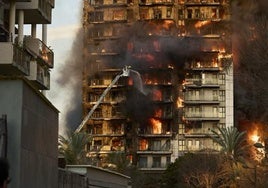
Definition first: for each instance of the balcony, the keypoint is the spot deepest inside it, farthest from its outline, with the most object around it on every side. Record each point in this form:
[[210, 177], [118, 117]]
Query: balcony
[[143, 133], [198, 82], [201, 66], [203, 99], [156, 2], [201, 116], [106, 148], [39, 76], [202, 2], [112, 3], [13, 60], [37, 11], [38, 49], [155, 152]]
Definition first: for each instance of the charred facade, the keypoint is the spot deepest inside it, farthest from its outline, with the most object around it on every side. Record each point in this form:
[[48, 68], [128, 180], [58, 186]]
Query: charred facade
[[180, 84]]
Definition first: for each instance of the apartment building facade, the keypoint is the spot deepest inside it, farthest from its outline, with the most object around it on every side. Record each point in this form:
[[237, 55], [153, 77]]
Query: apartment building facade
[[31, 120], [180, 82]]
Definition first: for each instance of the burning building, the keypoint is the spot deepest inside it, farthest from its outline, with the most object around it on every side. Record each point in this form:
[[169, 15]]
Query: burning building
[[180, 85]]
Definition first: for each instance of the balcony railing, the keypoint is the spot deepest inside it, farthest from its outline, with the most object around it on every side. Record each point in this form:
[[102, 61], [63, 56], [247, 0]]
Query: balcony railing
[[201, 114], [150, 2], [201, 82], [202, 2], [200, 99], [14, 59], [39, 75], [37, 48], [100, 3]]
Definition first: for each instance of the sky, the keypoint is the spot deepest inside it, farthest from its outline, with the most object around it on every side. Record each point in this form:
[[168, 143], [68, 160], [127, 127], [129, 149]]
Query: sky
[[66, 20]]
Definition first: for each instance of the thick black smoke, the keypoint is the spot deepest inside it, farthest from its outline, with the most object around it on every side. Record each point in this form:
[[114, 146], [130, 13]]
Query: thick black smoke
[[251, 65]]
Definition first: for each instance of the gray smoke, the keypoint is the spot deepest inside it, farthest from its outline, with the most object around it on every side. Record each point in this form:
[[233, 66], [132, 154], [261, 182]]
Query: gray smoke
[[70, 83]]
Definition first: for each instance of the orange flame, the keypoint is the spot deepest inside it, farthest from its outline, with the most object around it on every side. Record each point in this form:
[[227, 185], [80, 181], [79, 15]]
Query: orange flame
[[156, 126], [200, 24]]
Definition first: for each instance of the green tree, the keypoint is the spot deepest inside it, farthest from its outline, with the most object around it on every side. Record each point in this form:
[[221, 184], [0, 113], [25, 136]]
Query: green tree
[[72, 147], [197, 170], [118, 161], [232, 142]]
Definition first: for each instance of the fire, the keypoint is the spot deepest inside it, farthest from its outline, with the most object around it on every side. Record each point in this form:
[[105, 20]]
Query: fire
[[158, 113], [255, 138], [179, 102], [143, 144], [157, 95], [200, 24], [156, 126]]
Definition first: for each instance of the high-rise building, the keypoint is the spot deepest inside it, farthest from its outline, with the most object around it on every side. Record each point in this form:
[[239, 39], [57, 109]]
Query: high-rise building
[[180, 85], [30, 120]]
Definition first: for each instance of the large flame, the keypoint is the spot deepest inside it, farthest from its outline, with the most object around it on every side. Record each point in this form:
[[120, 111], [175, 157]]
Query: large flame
[[156, 126]]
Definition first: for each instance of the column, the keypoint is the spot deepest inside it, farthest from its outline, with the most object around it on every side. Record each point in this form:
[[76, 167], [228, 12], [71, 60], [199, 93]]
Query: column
[[12, 14], [20, 28]]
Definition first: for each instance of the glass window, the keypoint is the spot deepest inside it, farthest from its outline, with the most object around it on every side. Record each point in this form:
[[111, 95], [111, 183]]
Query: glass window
[[156, 145], [156, 162], [143, 162], [222, 111], [222, 95]]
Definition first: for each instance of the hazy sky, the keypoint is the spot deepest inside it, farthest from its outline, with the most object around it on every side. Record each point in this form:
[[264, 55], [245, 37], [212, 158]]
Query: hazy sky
[[66, 19]]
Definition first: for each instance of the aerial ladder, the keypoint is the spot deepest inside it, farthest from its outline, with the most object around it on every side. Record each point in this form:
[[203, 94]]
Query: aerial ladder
[[125, 73]]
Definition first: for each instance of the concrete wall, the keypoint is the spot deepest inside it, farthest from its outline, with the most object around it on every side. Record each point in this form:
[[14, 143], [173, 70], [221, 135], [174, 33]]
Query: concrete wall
[[32, 123]]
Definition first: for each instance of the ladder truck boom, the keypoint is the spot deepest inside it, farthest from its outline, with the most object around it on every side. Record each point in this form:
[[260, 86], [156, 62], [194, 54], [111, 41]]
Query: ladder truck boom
[[125, 73]]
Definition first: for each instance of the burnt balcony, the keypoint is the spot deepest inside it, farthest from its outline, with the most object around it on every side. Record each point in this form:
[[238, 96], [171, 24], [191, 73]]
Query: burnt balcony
[[38, 49], [198, 82], [202, 2], [39, 76], [201, 66], [112, 3], [13, 60], [163, 134], [156, 2]]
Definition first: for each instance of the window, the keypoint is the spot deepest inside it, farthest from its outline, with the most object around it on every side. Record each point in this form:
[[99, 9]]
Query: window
[[96, 16], [156, 145], [157, 14], [143, 162], [168, 161], [169, 12], [181, 145], [222, 79], [180, 14], [181, 128], [189, 13], [119, 15], [215, 95], [196, 13], [222, 95], [222, 111], [156, 162], [144, 14]]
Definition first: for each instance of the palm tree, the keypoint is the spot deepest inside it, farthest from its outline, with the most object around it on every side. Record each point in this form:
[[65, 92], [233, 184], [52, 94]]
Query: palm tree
[[72, 147], [232, 141]]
